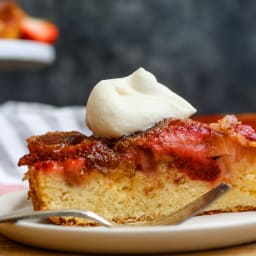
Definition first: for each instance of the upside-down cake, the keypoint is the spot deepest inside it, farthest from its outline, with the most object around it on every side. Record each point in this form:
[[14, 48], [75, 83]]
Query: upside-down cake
[[145, 174]]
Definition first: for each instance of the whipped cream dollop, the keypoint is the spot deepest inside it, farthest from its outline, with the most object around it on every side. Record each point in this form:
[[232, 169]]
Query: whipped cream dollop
[[125, 105]]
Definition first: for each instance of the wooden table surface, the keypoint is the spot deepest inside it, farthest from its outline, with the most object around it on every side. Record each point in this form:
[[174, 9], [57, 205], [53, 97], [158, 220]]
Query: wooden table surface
[[10, 248]]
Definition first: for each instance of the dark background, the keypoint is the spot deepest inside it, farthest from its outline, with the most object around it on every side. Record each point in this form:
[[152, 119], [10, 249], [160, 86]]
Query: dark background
[[205, 50]]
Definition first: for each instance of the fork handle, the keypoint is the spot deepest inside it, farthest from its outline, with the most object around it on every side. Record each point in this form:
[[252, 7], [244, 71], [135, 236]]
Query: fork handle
[[55, 213]]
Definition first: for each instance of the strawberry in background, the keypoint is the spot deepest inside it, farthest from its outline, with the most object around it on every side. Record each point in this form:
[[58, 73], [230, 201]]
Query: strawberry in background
[[38, 30], [16, 24]]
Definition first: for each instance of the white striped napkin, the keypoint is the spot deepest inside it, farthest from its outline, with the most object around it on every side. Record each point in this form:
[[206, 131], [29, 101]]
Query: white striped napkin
[[20, 120]]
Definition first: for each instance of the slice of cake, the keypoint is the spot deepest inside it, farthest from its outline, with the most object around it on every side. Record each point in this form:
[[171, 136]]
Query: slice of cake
[[146, 174], [145, 159]]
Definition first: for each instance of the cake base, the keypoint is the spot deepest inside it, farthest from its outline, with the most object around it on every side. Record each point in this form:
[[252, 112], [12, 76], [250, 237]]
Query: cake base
[[124, 198]]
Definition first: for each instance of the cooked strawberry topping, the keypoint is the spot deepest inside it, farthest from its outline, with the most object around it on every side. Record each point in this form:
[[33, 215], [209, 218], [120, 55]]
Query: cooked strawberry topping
[[190, 146]]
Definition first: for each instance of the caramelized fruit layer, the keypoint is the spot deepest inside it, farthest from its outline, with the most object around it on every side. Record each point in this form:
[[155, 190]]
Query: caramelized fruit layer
[[195, 149]]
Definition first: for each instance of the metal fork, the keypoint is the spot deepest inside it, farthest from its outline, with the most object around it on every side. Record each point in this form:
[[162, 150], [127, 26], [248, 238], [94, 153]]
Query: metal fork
[[177, 217]]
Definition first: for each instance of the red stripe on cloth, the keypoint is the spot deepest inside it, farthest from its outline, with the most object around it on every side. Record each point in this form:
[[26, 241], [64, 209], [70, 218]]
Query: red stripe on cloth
[[11, 188]]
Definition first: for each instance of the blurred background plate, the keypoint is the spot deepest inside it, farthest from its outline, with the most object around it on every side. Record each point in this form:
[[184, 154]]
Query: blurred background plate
[[22, 54]]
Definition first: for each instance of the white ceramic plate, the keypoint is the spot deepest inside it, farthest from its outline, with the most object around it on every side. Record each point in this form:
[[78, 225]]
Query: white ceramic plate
[[17, 54], [204, 232]]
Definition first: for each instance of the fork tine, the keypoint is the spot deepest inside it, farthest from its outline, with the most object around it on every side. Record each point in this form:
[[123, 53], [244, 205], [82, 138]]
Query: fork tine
[[194, 207]]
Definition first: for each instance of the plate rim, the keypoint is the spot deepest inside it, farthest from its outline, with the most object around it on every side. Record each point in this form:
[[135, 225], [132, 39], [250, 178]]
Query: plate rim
[[26, 50]]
